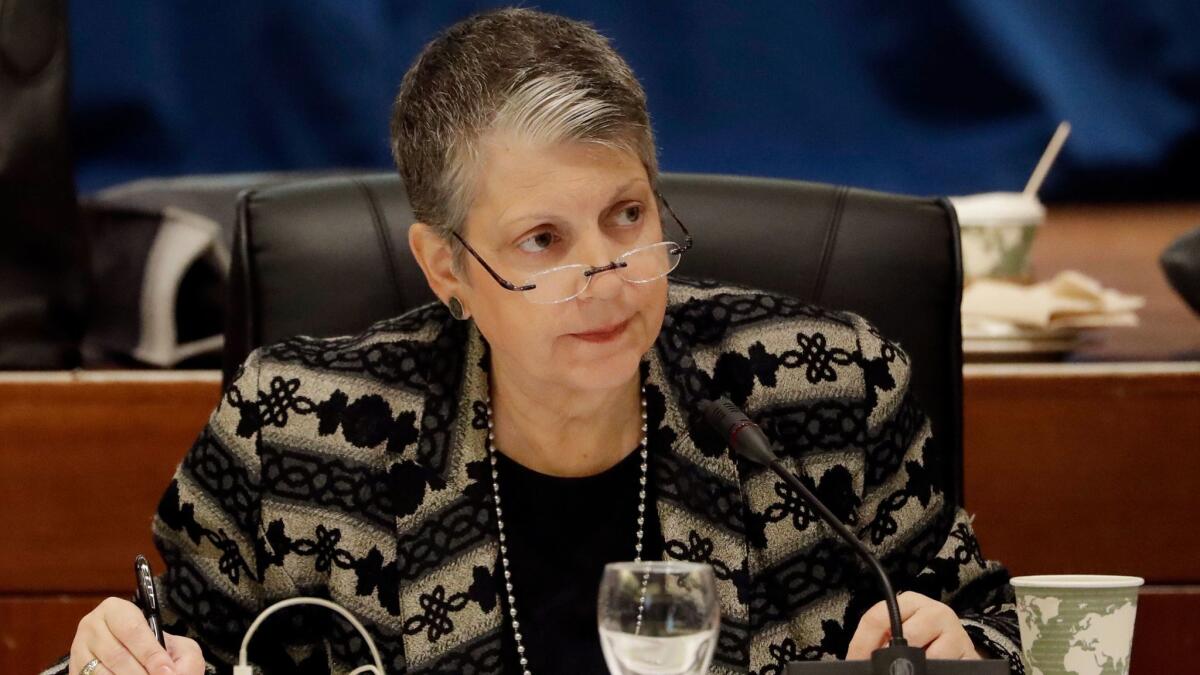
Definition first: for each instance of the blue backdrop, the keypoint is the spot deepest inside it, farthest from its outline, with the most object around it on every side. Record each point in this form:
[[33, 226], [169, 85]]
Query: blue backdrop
[[939, 96]]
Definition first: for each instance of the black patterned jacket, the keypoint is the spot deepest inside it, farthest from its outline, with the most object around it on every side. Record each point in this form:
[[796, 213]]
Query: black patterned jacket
[[354, 468]]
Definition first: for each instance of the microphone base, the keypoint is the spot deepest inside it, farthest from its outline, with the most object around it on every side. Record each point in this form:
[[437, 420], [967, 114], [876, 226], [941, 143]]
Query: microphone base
[[890, 661]]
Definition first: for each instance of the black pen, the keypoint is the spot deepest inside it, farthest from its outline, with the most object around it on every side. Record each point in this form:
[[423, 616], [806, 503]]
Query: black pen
[[146, 598]]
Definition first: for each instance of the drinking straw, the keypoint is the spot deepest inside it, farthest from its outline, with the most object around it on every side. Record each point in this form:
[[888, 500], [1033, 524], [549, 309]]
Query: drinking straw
[[1048, 157]]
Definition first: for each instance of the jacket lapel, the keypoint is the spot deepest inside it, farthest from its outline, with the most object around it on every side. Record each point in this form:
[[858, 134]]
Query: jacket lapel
[[700, 502], [448, 590]]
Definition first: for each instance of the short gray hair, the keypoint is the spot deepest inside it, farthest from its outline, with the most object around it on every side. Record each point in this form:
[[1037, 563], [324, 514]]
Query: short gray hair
[[545, 77]]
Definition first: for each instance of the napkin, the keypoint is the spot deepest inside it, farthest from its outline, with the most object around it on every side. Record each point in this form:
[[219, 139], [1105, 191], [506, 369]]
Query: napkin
[[1070, 300]]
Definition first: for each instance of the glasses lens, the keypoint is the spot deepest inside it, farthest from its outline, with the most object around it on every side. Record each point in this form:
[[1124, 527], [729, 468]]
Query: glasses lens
[[556, 285], [650, 262]]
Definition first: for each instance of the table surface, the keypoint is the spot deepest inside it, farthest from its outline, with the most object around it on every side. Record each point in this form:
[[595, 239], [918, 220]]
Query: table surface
[[1119, 245]]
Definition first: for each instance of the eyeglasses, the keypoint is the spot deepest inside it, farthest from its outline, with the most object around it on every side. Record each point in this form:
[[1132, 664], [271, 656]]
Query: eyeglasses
[[560, 284]]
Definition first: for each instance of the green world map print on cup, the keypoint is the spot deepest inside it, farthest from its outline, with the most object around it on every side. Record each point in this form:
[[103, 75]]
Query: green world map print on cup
[[1076, 624]]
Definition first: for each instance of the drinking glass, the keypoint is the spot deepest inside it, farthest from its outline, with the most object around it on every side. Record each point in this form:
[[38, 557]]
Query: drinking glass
[[658, 617]]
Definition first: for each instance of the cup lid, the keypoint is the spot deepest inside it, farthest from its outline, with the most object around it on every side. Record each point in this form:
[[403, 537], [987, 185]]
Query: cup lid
[[995, 209], [1077, 581]]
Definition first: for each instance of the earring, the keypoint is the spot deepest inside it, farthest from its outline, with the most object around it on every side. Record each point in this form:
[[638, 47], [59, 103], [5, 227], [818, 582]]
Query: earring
[[456, 308]]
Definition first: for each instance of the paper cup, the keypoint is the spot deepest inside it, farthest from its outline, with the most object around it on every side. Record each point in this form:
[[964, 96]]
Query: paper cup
[[1076, 623], [997, 231]]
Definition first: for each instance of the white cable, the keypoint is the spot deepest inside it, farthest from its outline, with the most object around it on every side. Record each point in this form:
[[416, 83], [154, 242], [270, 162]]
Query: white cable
[[243, 667]]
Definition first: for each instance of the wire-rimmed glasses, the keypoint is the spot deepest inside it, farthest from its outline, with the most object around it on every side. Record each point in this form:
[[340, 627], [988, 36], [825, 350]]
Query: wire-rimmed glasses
[[565, 282]]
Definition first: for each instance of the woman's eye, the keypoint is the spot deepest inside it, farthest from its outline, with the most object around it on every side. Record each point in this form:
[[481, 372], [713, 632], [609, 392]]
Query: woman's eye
[[630, 214], [538, 242]]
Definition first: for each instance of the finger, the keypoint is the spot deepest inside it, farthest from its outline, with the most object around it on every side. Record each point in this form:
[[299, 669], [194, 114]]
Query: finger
[[928, 624], [112, 654], [875, 626], [101, 669], [126, 623], [951, 647], [870, 634], [187, 654], [866, 639], [84, 659], [79, 653], [908, 603], [911, 601]]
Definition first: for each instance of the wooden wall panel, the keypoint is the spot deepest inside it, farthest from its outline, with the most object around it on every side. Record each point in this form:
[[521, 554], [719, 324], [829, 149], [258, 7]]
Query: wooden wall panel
[[1167, 631], [1086, 473], [35, 631], [83, 463]]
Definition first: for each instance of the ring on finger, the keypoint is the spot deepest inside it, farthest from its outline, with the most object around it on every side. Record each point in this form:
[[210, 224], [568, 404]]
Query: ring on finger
[[90, 667]]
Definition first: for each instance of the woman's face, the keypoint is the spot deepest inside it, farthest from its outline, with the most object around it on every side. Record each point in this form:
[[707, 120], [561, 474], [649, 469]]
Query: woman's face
[[539, 207]]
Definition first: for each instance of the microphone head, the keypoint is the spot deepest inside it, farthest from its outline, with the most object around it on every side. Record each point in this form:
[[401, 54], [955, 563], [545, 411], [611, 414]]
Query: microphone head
[[737, 431], [722, 415]]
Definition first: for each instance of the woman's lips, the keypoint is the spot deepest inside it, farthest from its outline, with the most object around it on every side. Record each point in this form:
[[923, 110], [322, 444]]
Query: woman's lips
[[603, 334]]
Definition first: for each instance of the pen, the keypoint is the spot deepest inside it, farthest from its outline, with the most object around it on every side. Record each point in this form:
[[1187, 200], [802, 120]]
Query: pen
[[146, 598]]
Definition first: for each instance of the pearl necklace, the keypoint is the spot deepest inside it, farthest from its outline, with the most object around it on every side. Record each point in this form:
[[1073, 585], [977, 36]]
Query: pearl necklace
[[508, 585]]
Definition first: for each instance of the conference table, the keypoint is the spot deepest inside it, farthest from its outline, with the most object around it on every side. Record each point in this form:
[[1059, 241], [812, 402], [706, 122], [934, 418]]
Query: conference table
[[1086, 464]]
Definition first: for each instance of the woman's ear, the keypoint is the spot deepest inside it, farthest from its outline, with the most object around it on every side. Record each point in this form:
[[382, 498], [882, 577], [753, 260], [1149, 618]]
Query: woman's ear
[[436, 258]]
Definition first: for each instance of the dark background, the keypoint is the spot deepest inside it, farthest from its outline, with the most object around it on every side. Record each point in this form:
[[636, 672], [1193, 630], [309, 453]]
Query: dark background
[[928, 97]]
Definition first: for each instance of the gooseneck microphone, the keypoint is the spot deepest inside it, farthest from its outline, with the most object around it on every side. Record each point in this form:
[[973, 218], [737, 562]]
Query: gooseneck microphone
[[898, 658]]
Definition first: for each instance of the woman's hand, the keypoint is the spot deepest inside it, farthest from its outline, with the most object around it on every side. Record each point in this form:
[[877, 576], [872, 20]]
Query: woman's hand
[[927, 623], [117, 634]]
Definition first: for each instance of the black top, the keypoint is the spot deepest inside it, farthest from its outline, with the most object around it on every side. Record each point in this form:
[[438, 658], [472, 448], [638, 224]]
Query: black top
[[560, 533]]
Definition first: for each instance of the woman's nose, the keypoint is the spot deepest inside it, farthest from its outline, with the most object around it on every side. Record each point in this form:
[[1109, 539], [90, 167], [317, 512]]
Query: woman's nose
[[604, 277]]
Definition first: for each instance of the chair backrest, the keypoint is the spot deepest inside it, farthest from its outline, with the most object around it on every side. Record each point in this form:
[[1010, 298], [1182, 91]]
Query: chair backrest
[[330, 256]]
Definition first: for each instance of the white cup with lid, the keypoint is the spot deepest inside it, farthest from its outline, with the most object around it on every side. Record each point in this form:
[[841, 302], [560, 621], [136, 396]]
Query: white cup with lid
[[998, 229]]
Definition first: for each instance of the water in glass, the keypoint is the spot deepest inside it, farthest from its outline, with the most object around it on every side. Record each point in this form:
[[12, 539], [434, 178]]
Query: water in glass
[[658, 618]]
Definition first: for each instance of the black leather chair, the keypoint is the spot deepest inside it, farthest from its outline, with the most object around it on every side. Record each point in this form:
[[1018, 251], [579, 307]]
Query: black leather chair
[[330, 256], [43, 256]]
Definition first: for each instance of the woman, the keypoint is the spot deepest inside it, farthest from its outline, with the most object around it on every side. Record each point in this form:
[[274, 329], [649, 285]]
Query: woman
[[458, 476]]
